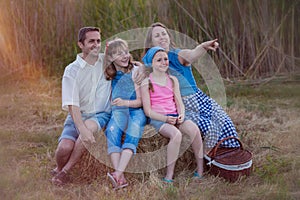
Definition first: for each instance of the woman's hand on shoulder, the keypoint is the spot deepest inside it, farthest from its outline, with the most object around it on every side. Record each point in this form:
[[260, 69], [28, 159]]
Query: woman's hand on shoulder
[[145, 82], [137, 64], [139, 73]]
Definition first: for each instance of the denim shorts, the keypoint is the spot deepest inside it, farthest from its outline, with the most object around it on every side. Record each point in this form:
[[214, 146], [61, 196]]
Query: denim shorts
[[130, 122], [157, 124], [70, 131]]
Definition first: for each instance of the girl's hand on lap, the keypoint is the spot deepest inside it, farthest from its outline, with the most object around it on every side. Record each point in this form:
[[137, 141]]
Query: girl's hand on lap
[[180, 119], [171, 120], [120, 102]]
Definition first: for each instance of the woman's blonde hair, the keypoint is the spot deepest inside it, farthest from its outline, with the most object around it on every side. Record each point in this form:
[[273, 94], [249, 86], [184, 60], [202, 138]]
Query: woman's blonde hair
[[113, 47]]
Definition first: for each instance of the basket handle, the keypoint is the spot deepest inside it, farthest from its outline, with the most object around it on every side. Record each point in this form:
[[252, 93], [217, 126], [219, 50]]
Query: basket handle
[[214, 150]]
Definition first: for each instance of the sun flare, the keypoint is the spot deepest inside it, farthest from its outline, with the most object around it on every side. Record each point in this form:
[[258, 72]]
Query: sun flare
[[1, 33], [1, 40]]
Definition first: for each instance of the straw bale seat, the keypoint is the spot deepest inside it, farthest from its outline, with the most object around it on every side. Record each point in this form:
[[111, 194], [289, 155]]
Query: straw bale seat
[[151, 156]]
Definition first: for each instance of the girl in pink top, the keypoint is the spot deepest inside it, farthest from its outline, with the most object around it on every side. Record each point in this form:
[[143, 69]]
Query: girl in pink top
[[162, 100], [162, 103]]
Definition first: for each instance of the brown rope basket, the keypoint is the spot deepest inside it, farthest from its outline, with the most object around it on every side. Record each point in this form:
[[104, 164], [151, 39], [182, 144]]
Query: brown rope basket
[[229, 163]]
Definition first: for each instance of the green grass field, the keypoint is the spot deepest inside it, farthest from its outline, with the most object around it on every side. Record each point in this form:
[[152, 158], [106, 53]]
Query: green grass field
[[266, 116]]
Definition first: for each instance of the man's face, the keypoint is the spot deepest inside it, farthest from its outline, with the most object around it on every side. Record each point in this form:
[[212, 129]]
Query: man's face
[[92, 44]]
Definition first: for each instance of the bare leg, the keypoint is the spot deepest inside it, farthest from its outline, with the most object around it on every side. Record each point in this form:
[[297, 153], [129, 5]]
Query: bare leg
[[124, 160], [63, 153], [115, 159], [77, 152], [61, 177], [170, 131], [79, 147], [191, 129]]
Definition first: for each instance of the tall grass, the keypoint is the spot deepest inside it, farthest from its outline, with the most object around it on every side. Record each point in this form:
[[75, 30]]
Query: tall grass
[[258, 38]]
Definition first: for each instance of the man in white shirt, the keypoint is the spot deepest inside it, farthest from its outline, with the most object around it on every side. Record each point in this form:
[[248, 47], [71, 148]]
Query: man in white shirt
[[86, 96]]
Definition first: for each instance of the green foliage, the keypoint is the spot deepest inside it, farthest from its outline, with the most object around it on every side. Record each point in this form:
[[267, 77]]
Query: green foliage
[[170, 192], [272, 171], [262, 97], [254, 40]]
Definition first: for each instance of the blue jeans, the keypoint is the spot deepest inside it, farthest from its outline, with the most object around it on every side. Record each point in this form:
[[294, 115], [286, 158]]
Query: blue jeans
[[128, 121], [70, 131], [157, 124]]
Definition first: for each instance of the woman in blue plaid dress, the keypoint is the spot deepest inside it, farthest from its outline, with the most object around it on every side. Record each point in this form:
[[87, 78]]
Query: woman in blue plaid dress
[[212, 120]]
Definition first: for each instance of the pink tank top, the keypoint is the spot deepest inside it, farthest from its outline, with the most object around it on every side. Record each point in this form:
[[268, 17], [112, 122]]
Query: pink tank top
[[162, 99]]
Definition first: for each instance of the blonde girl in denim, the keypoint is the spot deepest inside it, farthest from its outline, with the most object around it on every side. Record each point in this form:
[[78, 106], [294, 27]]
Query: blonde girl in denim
[[162, 103], [127, 114]]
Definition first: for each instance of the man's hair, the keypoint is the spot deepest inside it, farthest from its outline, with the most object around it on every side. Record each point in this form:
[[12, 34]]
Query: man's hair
[[82, 32]]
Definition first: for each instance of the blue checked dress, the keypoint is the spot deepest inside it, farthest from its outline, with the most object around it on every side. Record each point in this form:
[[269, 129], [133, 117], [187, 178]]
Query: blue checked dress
[[210, 117]]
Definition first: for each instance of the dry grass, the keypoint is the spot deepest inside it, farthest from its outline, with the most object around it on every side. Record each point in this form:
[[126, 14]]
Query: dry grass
[[31, 121]]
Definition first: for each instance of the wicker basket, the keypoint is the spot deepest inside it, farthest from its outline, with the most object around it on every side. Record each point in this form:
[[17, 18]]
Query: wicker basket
[[229, 163]]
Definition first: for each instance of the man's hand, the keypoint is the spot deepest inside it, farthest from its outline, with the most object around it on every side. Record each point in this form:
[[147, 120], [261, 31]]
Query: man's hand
[[87, 136]]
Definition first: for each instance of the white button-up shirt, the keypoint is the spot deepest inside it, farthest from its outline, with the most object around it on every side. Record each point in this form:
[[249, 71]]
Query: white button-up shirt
[[85, 86]]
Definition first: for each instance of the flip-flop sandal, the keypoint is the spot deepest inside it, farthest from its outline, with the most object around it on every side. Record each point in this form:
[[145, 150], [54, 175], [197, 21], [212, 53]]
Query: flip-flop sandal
[[112, 180], [197, 176], [169, 181], [121, 185]]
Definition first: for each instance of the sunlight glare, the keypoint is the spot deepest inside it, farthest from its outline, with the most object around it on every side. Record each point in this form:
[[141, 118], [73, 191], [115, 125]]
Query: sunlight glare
[[1, 41], [1, 34]]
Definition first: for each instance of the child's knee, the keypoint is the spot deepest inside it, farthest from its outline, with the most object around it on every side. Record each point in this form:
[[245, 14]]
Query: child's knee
[[129, 148], [176, 137], [129, 151]]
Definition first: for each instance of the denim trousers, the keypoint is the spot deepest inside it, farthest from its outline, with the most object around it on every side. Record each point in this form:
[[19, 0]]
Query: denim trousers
[[128, 121]]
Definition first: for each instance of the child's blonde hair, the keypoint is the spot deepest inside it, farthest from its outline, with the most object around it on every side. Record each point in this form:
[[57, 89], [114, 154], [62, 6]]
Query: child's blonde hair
[[113, 47]]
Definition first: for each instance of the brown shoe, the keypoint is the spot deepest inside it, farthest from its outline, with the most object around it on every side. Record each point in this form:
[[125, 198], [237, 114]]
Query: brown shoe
[[61, 178]]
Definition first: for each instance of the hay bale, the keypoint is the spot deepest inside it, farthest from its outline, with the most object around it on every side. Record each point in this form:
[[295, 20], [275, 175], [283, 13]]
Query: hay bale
[[88, 169], [156, 142], [94, 163], [151, 156]]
